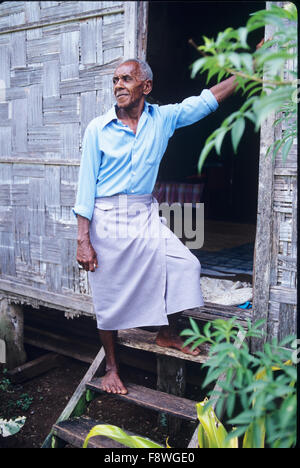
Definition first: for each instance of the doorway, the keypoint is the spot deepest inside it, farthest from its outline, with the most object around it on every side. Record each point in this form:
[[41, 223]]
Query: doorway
[[228, 185]]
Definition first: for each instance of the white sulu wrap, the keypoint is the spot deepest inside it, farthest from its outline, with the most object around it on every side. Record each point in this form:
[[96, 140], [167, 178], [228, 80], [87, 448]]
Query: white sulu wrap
[[144, 271]]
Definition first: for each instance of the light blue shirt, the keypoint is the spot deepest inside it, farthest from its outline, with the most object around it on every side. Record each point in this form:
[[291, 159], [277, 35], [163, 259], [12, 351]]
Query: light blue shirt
[[115, 160]]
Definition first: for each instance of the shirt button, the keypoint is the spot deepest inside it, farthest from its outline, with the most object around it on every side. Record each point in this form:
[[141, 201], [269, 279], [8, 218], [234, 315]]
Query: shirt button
[[132, 191], [133, 172]]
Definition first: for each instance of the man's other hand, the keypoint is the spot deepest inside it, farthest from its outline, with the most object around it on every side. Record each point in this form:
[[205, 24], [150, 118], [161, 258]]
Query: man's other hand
[[86, 255]]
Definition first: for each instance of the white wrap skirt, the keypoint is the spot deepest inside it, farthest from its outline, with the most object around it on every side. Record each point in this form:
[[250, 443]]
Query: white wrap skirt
[[144, 271]]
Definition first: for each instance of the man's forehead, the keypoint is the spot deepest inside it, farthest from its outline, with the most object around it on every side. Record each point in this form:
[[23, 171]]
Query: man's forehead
[[128, 68]]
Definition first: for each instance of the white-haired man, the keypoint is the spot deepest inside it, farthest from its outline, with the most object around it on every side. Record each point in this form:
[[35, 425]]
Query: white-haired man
[[135, 280]]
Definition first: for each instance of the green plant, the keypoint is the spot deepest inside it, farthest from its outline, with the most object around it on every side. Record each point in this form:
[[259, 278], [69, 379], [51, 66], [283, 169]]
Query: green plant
[[268, 402], [24, 402], [258, 390], [116, 433], [4, 384], [259, 75], [12, 426]]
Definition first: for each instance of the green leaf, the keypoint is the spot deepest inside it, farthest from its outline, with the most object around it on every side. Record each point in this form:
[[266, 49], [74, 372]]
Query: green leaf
[[243, 33], [11, 426], [204, 153], [219, 139], [230, 404], [235, 60], [248, 62], [237, 132], [115, 433], [286, 148], [196, 67], [194, 326]]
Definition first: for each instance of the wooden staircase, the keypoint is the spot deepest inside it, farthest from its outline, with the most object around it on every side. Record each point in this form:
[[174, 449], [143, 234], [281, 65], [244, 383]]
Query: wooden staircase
[[73, 425]]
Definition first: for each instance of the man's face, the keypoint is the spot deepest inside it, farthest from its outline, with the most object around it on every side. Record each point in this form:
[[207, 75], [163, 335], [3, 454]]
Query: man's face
[[129, 87]]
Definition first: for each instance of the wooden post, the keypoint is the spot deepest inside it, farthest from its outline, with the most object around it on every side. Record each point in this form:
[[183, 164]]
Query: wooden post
[[11, 332], [171, 378]]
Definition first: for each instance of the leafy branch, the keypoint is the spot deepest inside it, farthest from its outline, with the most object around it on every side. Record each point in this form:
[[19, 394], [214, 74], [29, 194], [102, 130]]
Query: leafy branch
[[258, 389], [259, 75]]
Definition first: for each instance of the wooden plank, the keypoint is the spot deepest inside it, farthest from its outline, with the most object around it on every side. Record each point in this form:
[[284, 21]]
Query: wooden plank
[[263, 241], [130, 19], [140, 339], [142, 29], [69, 55], [171, 379], [56, 343], [74, 432], [34, 368], [78, 394], [33, 161], [211, 312], [51, 78], [62, 19], [18, 50], [152, 399], [283, 295], [24, 293]]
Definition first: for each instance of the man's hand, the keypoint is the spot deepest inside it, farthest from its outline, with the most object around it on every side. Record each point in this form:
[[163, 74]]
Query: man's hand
[[86, 255], [258, 46]]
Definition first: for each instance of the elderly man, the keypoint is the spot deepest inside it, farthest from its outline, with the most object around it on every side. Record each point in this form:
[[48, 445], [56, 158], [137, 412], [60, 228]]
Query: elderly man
[[136, 279]]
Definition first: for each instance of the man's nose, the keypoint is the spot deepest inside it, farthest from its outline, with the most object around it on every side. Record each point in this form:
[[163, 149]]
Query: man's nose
[[119, 84]]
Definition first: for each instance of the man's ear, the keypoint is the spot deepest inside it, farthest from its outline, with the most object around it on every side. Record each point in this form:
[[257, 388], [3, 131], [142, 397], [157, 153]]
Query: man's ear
[[147, 87]]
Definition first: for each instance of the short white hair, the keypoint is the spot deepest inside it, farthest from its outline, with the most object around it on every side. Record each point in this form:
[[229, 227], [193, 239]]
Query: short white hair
[[145, 68]]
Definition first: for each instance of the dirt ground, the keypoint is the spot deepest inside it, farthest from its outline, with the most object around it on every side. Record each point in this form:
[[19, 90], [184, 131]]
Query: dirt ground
[[43, 398]]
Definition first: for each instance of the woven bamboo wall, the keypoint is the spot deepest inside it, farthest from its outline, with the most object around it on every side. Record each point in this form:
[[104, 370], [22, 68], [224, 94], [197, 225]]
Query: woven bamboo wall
[[275, 278], [57, 61]]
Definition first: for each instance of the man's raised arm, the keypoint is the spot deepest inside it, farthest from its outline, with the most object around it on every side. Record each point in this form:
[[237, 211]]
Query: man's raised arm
[[224, 89]]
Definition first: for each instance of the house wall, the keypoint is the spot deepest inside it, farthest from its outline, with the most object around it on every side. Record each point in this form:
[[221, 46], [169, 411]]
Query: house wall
[[275, 277], [57, 61]]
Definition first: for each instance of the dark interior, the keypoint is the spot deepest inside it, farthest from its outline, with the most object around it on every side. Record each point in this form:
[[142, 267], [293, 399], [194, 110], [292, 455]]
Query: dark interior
[[231, 181]]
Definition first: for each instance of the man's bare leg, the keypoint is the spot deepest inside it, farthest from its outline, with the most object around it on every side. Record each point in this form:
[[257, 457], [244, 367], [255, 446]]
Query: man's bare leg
[[168, 337], [111, 381]]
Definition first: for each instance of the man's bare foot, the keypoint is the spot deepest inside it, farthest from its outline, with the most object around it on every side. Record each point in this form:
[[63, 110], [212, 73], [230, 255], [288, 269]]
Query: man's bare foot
[[173, 341], [111, 383]]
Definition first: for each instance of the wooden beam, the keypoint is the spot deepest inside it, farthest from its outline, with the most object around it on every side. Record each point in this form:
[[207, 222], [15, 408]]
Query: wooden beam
[[34, 368], [57, 21], [78, 394], [140, 339], [264, 228], [171, 378]]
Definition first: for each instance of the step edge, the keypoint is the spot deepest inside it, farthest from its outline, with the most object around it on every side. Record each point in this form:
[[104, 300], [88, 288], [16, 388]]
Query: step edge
[[190, 404]]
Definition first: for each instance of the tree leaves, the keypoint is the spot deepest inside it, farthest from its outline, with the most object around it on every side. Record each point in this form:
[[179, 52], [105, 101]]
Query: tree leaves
[[258, 390], [265, 87], [237, 132]]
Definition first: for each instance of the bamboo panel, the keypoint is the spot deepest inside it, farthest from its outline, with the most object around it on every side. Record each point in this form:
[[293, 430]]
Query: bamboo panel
[[57, 61], [275, 282]]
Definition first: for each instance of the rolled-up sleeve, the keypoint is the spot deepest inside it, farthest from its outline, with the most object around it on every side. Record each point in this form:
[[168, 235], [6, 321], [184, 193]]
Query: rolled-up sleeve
[[88, 173], [190, 110]]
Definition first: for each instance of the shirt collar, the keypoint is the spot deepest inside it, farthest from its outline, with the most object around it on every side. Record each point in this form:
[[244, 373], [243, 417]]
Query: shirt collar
[[111, 114]]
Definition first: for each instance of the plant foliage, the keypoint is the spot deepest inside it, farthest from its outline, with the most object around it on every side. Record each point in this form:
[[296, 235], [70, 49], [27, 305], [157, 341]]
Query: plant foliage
[[260, 77], [258, 390]]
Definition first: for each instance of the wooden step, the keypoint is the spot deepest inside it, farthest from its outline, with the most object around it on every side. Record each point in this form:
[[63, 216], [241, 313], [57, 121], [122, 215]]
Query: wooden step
[[142, 339], [74, 432], [152, 399], [210, 312]]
